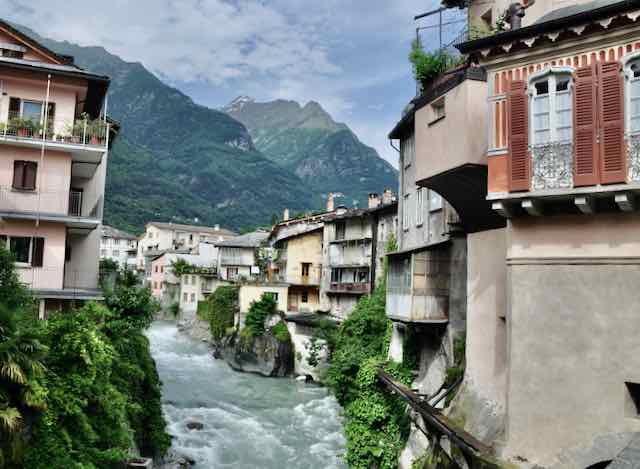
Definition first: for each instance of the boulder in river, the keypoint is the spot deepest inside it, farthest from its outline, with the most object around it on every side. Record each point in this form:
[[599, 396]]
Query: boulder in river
[[264, 355], [195, 425]]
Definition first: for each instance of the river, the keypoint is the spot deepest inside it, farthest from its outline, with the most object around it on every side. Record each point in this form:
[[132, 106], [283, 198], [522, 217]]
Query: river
[[249, 421]]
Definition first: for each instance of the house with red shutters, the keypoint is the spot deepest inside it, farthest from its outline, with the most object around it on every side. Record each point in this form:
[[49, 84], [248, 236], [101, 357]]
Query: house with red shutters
[[544, 177]]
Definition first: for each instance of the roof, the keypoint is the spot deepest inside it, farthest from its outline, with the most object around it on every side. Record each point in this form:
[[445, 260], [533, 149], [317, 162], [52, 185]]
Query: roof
[[359, 212], [111, 232], [307, 231], [195, 228], [63, 59], [559, 19], [249, 240], [422, 247]]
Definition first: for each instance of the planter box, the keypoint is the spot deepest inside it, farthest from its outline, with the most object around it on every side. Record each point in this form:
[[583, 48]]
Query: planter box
[[140, 463]]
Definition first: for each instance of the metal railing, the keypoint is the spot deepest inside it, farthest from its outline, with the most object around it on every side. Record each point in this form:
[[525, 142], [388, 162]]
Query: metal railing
[[83, 131], [352, 287], [56, 202]]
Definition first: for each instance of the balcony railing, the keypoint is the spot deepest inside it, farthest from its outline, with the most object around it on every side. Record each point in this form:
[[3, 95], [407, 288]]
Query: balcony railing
[[353, 287], [58, 202], [85, 132]]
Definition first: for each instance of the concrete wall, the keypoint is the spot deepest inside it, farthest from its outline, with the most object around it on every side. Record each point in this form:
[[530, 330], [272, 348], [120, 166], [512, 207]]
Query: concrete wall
[[304, 248], [436, 150], [573, 329], [301, 336], [81, 270], [483, 398], [250, 293], [51, 274], [52, 183]]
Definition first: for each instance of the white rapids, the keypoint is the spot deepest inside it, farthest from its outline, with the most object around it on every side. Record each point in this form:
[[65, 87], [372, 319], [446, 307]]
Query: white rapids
[[249, 422]]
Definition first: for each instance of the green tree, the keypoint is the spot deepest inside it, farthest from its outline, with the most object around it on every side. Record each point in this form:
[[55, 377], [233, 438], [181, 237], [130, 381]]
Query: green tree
[[221, 307], [258, 313]]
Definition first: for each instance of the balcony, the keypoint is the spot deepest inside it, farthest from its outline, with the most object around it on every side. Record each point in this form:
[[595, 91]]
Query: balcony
[[70, 206], [418, 287], [82, 137], [354, 254], [358, 288]]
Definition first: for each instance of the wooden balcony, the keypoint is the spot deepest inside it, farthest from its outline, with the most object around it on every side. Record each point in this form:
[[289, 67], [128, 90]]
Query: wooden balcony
[[356, 288]]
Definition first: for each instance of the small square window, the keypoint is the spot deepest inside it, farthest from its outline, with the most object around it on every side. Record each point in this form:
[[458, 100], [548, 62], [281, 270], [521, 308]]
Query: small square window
[[305, 297], [542, 87], [562, 84], [437, 111]]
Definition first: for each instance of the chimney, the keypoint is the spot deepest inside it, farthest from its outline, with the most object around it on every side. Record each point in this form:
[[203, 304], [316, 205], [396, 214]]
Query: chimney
[[216, 227], [387, 196], [285, 215], [330, 202], [374, 200]]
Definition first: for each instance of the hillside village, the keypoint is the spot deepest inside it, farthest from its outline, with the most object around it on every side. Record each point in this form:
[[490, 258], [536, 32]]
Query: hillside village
[[504, 263]]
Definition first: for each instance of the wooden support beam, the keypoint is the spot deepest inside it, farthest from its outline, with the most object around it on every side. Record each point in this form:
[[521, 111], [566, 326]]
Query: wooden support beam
[[585, 204], [626, 201], [532, 207]]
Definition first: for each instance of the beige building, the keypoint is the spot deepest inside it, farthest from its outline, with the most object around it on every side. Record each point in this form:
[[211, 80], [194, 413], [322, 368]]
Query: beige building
[[239, 258], [119, 246], [54, 144]]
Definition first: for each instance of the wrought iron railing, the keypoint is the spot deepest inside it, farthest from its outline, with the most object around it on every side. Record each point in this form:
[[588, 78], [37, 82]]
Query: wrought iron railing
[[352, 287]]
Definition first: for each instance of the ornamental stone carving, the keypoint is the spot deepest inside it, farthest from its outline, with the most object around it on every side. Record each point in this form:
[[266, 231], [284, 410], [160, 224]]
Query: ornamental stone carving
[[552, 166], [633, 150]]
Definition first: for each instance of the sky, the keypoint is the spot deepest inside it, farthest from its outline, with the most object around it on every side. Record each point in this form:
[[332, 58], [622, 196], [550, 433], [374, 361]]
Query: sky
[[350, 56]]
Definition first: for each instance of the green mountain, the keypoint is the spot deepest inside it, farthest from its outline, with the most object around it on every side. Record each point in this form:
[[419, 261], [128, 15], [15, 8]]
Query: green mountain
[[175, 160], [306, 140]]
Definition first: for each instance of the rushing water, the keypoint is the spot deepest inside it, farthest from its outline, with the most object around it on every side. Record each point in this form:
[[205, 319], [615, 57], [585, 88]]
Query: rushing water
[[249, 421]]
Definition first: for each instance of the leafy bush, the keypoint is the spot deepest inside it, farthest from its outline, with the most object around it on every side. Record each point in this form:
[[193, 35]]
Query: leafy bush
[[220, 309], [427, 66], [258, 313], [376, 426], [281, 332]]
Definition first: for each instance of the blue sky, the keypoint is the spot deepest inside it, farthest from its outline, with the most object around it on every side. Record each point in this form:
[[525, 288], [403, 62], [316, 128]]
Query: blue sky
[[350, 56]]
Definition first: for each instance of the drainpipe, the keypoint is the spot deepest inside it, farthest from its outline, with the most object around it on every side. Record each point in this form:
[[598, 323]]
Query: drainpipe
[[42, 148]]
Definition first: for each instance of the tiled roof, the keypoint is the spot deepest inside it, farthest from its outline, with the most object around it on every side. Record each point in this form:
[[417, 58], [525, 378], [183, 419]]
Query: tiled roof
[[195, 228], [112, 232], [249, 240]]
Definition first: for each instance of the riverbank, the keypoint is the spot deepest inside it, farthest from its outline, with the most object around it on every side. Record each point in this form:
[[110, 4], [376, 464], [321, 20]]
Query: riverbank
[[247, 421]]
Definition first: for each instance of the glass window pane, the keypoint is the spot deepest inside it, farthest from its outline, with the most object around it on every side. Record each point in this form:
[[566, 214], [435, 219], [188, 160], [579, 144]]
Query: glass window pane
[[564, 133], [542, 87], [541, 104], [634, 87], [635, 124], [635, 106], [541, 122], [542, 136], [563, 101], [562, 83], [20, 248], [31, 110], [435, 201]]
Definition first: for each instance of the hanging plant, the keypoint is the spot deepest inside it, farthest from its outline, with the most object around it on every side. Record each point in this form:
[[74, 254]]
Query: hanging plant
[[428, 65]]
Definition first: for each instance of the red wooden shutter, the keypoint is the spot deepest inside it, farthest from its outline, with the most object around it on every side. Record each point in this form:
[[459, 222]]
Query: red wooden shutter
[[519, 166], [613, 166], [37, 252], [18, 174], [585, 155]]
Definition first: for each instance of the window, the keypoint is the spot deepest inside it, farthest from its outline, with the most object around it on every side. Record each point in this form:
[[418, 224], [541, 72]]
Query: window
[[155, 284], [362, 276], [272, 295], [193, 298], [437, 111], [420, 206], [103, 253], [232, 272], [406, 272], [435, 201], [115, 253], [25, 249], [341, 229], [162, 269], [185, 279], [12, 54], [24, 175], [551, 108], [305, 269], [406, 219], [185, 297], [632, 95], [305, 297], [193, 279], [156, 269], [407, 150]]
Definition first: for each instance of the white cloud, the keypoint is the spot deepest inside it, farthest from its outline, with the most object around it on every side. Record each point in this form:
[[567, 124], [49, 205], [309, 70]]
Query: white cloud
[[349, 56]]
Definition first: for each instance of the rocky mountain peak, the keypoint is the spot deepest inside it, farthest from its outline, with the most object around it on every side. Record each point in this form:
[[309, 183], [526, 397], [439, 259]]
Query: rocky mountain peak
[[238, 104]]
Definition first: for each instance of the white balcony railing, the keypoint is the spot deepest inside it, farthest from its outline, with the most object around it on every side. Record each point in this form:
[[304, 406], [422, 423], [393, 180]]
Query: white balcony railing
[[56, 202], [84, 131]]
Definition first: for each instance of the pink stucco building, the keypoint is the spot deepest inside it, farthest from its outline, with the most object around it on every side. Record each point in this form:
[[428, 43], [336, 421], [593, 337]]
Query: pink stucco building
[[54, 143]]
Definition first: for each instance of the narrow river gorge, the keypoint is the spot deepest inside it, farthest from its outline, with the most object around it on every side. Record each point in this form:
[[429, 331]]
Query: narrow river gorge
[[247, 421]]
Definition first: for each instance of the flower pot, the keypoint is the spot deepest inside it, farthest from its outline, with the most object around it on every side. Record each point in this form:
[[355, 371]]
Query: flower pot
[[94, 140]]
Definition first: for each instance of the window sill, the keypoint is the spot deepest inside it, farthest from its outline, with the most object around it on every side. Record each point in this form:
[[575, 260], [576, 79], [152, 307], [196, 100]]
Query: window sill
[[435, 121], [418, 225], [22, 265], [17, 189], [432, 210]]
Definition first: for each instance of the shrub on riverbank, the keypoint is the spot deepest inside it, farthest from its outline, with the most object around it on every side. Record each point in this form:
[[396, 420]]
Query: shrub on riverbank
[[219, 309], [98, 395], [376, 425]]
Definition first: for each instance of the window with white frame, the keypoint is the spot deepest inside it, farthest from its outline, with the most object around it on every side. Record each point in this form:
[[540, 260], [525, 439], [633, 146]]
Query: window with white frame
[[406, 218], [632, 95], [551, 107], [420, 206]]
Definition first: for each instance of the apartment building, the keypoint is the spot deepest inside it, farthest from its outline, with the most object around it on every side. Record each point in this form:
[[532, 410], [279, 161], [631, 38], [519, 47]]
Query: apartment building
[[54, 143], [161, 237], [563, 169], [119, 246], [240, 257]]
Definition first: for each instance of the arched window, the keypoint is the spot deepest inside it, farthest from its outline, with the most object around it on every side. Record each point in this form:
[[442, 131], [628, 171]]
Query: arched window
[[632, 93], [550, 109]]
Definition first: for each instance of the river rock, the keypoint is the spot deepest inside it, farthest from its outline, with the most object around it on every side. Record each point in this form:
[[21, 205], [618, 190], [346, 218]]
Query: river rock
[[195, 425], [265, 355], [173, 460]]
